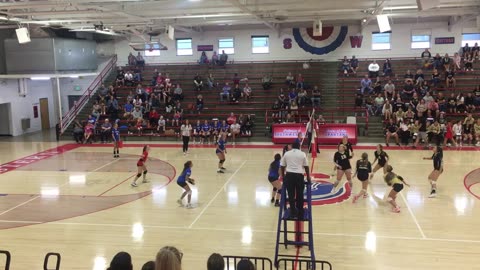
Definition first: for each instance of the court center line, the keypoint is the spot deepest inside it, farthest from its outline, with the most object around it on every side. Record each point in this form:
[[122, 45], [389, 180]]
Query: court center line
[[413, 216], [216, 195], [21, 204]]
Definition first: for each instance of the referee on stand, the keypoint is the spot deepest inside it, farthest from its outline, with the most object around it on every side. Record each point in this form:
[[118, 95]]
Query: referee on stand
[[293, 165]]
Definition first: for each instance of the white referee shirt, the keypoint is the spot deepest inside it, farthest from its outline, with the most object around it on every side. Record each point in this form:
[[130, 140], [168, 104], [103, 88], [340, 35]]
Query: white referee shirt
[[294, 161], [186, 130]]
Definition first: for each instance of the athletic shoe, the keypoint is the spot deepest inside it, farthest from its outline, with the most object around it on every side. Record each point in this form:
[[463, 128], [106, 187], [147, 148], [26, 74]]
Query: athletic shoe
[[365, 195], [396, 209], [433, 194], [277, 203], [223, 168], [179, 201], [272, 200], [333, 190], [220, 171], [145, 181], [355, 198], [134, 184], [184, 153], [189, 206]]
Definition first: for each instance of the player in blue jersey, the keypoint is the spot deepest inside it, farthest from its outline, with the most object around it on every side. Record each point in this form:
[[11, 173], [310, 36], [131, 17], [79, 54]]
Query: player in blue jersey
[[274, 179], [221, 151], [216, 130], [183, 181], [206, 132], [197, 130], [116, 140]]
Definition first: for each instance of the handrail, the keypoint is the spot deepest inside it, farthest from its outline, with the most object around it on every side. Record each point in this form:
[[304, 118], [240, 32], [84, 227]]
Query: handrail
[[260, 263], [73, 112], [233, 61]]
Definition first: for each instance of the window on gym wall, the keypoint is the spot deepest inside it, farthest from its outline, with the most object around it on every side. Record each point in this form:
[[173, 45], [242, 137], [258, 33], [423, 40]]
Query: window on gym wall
[[260, 44], [227, 45], [184, 46], [471, 39], [152, 50], [381, 41], [421, 39]]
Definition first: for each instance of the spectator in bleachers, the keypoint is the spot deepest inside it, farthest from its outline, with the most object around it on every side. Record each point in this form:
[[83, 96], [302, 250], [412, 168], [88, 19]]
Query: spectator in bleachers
[[302, 97], [408, 76], [203, 58], [139, 60], [346, 66], [470, 103], [421, 107], [476, 95], [387, 110], [141, 93], [419, 77], [442, 102], [247, 92], [398, 104], [210, 81], [358, 100], [452, 103], [198, 82], [292, 96], [167, 82], [161, 125], [437, 61], [469, 63], [177, 117], [112, 93], [373, 69], [113, 108], [476, 51], [446, 62], [434, 133], [178, 93], [428, 98], [131, 59], [214, 58], [96, 110], [266, 82], [408, 90], [387, 68], [391, 130], [245, 265], [450, 79], [435, 77], [121, 261], [120, 80], [354, 65], [102, 92], [155, 102], [216, 261], [231, 119], [316, 97], [199, 104], [457, 61], [377, 87], [154, 77], [282, 99], [225, 92], [223, 59], [432, 106], [276, 109], [248, 125], [78, 132], [370, 104], [129, 78], [379, 102], [366, 85], [293, 108], [236, 79], [128, 109], [168, 258], [403, 132], [466, 50], [476, 131], [289, 80], [389, 90], [89, 130], [300, 81], [106, 131], [160, 80], [409, 115], [137, 114], [426, 55], [153, 118], [137, 75], [289, 119]]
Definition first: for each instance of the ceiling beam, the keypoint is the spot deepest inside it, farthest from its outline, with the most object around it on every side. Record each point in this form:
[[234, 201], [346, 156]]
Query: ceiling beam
[[243, 8]]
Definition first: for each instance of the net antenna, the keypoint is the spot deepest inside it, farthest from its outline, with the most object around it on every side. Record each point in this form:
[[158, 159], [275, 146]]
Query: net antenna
[[308, 123]]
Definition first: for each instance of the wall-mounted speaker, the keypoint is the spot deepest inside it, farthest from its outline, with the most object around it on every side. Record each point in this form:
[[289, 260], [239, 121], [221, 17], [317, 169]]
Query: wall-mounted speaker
[[23, 35], [317, 28], [171, 32]]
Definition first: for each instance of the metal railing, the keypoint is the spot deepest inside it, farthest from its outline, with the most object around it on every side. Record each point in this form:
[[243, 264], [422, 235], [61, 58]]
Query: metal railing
[[75, 110], [260, 263], [299, 264]]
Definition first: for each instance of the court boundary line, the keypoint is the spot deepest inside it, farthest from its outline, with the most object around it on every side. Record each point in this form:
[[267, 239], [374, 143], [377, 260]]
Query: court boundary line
[[19, 205], [216, 195], [413, 217]]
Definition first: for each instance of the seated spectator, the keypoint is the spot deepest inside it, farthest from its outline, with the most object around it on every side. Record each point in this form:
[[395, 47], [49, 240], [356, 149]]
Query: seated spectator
[[476, 51], [391, 130], [236, 93], [247, 92], [89, 130], [132, 61], [211, 81], [223, 59], [370, 104], [389, 90], [408, 90], [198, 83], [316, 97], [153, 117], [128, 108], [141, 93], [419, 77], [160, 82], [293, 108], [215, 58], [346, 66], [112, 108], [121, 261], [231, 119], [266, 82], [450, 79], [300, 81], [106, 131], [434, 133], [466, 50], [373, 69], [216, 261], [129, 78], [366, 85], [469, 63], [245, 264], [289, 80], [102, 92], [150, 265], [408, 76], [168, 258], [120, 80], [140, 61], [199, 104], [404, 132], [167, 82], [248, 125], [435, 77], [154, 77], [399, 115], [282, 99], [225, 92], [457, 60], [203, 58], [379, 102], [155, 101], [398, 103], [437, 61], [421, 107], [302, 97], [426, 55], [178, 93], [161, 125], [236, 79], [137, 114], [442, 102], [292, 96], [409, 115], [470, 103], [78, 132], [446, 62], [387, 110], [358, 100], [387, 68], [96, 110], [354, 65], [476, 95]]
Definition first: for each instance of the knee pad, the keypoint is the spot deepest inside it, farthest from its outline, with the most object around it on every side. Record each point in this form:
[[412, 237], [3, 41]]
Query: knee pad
[[279, 191], [145, 172], [275, 189], [222, 161], [139, 174]]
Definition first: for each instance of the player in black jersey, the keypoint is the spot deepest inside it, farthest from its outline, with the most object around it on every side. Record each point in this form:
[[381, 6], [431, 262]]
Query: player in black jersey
[[348, 146], [437, 158], [382, 158], [342, 166], [362, 172]]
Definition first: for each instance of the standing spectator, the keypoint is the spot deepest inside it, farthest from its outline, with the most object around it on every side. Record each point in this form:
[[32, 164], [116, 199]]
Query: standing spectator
[[316, 97], [203, 58], [476, 51], [131, 59], [140, 61], [235, 130], [225, 92], [198, 83], [113, 108], [293, 165], [437, 61], [346, 66], [389, 90], [106, 131], [266, 82], [186, 130], [426, 55], [354, 65], [457, 60], [214, 58], [387, 68], [223, 59], [300, 81], [153, 118], [289, 80], [373, 69], [366, 85], [78, 132]]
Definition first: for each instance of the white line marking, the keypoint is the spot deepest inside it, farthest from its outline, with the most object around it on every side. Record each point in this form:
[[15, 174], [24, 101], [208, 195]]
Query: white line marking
[[20, 221], [413, 217], [15, 207], [216, 195], [103, 166]]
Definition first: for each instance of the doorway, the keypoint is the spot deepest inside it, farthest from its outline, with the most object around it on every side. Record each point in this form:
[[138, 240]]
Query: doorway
[[5, 119], [44, 113]]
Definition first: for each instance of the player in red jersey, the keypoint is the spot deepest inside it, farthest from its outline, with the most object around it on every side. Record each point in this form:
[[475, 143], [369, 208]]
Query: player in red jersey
[[141, 168]]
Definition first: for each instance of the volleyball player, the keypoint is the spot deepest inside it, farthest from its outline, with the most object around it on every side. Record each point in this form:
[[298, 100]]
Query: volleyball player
[[286, 148], [348, 146], [197, 130], [116, 140], [141, 167], [396, 182], [274, 179], [382, 158], [216, 130], [221, 151], [182, 182], [437, 158], [206, 131], [342, 166], [362, 171], [225, 128]]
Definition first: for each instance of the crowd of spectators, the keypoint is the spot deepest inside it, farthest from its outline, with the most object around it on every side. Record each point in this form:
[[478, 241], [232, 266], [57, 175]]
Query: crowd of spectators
[[215, 60]]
